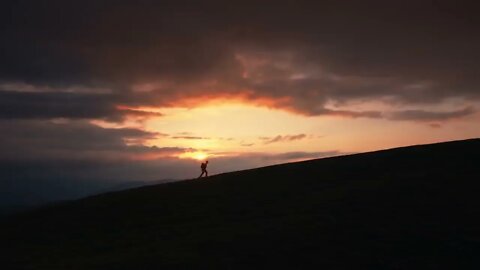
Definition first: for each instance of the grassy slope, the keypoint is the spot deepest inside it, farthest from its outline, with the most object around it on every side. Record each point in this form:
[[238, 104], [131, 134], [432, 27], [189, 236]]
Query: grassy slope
[[406, 208]]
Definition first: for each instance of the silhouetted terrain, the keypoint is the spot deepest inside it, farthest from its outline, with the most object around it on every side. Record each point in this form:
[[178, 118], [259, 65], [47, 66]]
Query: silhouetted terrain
[[407, 208], [22, 194]]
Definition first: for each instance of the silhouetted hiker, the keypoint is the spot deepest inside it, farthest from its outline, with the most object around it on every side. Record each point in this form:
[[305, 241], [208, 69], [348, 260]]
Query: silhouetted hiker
[[204, 169]]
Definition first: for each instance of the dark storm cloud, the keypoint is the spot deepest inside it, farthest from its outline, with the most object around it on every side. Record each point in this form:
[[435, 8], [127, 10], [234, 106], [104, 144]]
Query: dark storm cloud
[[19, 105], [47, 105], [75, 140], [302, 54], [422, 115]]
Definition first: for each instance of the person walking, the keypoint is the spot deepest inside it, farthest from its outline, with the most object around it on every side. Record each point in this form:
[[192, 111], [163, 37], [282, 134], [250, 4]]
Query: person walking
[[204, 169]]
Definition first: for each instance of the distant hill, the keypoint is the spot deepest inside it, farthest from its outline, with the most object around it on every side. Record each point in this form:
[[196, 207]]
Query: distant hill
[[407, 208], [20, 195]]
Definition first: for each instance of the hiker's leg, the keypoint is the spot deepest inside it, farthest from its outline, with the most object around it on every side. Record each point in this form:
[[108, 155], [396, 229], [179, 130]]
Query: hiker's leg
[[206, 173]]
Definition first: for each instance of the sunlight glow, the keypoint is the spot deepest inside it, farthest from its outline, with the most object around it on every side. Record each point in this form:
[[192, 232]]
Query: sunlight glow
[[232, 127], [194, 155]]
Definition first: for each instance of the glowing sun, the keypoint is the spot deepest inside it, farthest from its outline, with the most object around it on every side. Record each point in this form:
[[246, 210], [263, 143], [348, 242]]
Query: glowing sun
[[195, 155]]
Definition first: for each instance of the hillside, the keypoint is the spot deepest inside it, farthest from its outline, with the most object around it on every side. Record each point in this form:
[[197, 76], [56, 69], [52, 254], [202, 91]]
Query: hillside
[[406, 208]]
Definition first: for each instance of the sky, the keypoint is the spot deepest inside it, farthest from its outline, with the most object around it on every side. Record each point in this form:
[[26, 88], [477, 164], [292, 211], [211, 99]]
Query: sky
[[114, 91]]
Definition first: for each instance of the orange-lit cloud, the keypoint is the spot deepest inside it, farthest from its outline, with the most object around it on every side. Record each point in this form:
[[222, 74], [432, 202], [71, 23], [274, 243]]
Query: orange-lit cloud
[[191, 137], [301, 65], [280, 138]]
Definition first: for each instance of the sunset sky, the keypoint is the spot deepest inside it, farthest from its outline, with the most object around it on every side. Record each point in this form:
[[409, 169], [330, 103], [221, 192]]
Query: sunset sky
[[99, 91]]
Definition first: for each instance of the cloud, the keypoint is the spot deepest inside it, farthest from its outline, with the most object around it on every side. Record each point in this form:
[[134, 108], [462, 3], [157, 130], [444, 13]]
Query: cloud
[[77, 140], [273, 54], [280, 138], [191, 137], [50, 105], [247, 144], [425, 116]]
